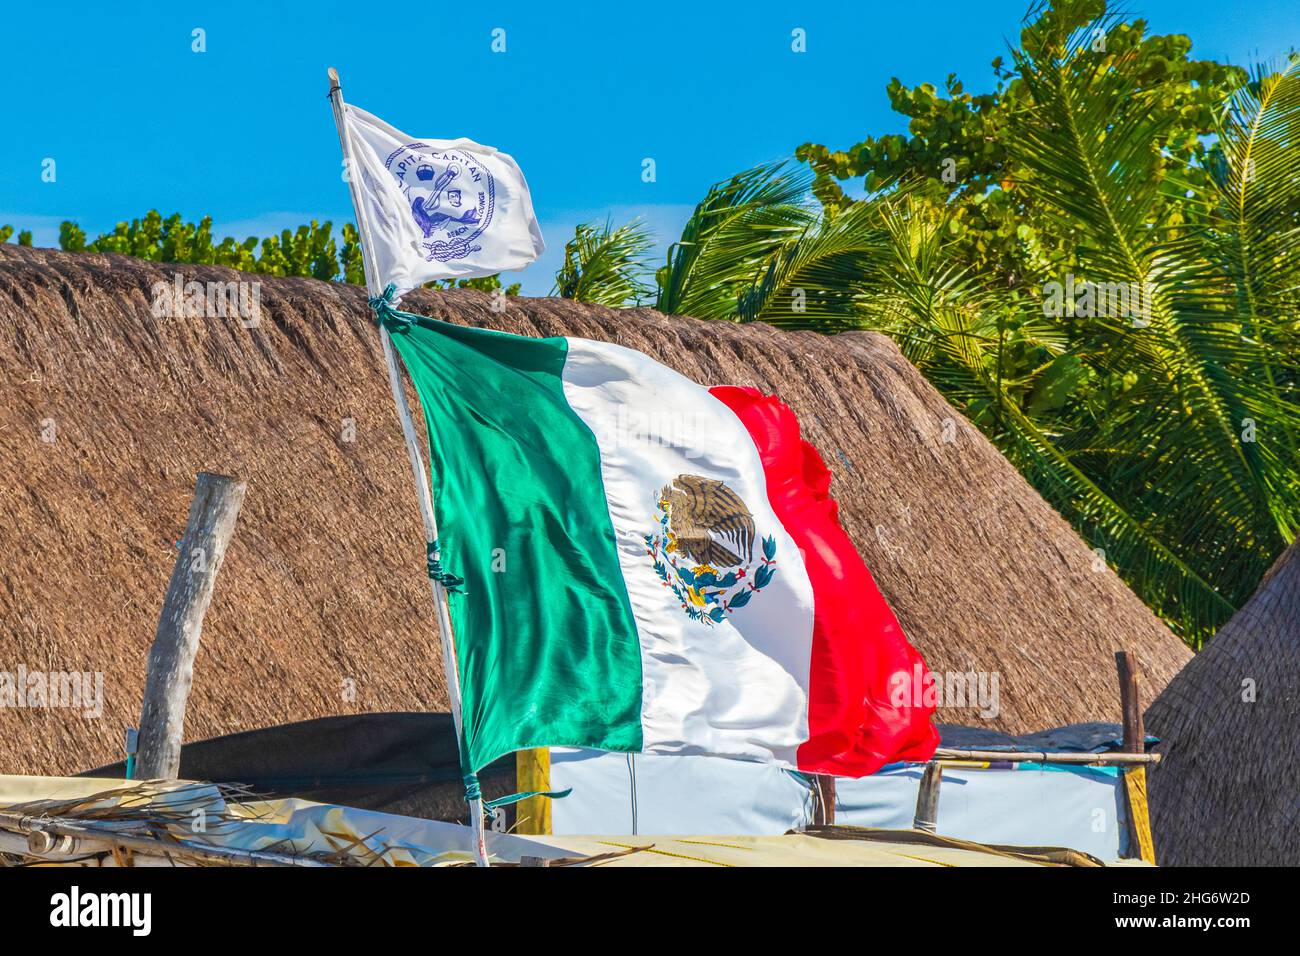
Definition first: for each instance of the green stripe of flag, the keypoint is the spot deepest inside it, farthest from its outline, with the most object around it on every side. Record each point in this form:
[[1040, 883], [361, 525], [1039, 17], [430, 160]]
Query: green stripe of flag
[[545, 638]]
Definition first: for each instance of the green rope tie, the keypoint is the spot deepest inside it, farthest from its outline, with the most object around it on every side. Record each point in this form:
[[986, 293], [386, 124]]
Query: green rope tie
[[452, 582], [490, 807], [392, 319], [516, 797], [472, 791]]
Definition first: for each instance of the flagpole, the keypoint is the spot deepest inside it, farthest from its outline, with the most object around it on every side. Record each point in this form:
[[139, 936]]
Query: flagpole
[[450, 667]]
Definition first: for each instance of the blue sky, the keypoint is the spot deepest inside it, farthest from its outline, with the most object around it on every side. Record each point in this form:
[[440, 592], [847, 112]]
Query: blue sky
[[136, 120]]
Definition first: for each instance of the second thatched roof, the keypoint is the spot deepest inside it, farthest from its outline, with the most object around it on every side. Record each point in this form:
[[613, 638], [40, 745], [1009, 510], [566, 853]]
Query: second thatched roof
[[1227, 792]]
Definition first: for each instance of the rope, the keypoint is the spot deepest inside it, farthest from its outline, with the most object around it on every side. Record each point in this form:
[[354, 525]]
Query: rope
[[472, 791], [392, 319], [516, 797], [452, 582], [490, 807]]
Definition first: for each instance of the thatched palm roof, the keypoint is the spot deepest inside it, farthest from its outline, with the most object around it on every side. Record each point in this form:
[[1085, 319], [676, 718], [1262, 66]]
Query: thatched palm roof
[[1227, 792], [323, 588]]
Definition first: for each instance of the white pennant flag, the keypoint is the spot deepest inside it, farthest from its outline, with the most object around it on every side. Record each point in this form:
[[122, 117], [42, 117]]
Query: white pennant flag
[[439, 208]]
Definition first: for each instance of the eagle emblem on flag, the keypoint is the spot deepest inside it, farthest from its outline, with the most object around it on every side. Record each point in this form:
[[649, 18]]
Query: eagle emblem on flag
[[703, 549]]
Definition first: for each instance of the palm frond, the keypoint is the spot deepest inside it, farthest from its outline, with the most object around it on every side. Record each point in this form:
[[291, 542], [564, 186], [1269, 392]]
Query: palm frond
[[741, 223], [815, 280], [606, 265], [952, 329]]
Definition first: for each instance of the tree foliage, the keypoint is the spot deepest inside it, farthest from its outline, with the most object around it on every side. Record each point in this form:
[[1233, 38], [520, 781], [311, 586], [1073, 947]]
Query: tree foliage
[[1096, 262], [309, 251], [24, 237]]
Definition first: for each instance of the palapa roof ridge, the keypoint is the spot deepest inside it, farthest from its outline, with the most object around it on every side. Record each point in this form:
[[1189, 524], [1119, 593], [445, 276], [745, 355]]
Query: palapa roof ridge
[[322, 607]]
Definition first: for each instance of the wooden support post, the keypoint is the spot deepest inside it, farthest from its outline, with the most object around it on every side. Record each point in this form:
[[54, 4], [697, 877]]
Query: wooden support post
[[823, 800], [1130, 674], [927, 798], [213, 511], [1135, 777], [533, 772]]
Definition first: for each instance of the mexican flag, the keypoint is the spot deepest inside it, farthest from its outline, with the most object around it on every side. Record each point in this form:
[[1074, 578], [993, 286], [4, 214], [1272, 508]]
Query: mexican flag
[[650, 566]]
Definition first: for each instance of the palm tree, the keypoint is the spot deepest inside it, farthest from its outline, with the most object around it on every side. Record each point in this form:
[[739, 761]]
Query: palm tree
[[889, 264], [1200, 452]]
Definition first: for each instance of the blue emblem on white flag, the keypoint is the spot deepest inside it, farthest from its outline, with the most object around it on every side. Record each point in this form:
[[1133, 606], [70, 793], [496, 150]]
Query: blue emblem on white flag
[[451, 197]]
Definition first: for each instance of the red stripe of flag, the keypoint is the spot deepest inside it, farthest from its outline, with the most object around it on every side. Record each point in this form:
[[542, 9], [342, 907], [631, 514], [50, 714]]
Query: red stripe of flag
[[859, 651]]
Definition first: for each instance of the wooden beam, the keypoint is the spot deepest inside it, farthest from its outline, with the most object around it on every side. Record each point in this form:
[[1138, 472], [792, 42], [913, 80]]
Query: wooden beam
[[823, 800], [1141, 844], [79, 839], [217, 499], [1106, 759], [927, 798], [1130, 676], [533, 773]]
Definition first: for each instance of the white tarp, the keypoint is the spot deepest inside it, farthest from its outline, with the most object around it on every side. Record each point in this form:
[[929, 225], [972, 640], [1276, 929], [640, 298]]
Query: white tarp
[[289, 827], [1077, 807]]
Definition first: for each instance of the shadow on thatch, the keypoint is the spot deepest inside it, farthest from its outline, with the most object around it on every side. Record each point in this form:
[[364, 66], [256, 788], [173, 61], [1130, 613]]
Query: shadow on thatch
[[322, 606], [1227, 792]]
